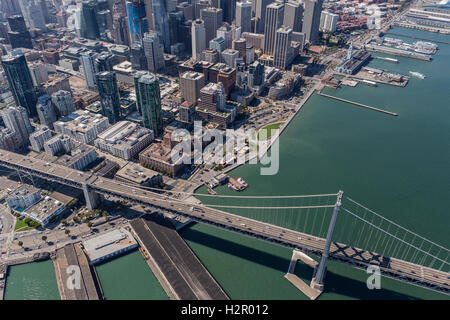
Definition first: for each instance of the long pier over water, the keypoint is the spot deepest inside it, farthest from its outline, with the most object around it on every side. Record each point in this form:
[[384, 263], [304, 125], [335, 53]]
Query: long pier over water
[[357, 104]]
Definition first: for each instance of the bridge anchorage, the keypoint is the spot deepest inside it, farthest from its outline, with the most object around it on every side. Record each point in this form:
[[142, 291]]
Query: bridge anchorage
[[307, 224]]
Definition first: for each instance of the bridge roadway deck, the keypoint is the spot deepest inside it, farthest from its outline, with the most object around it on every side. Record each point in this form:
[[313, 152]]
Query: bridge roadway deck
[[72, 255], [391, 267], [182, 273]]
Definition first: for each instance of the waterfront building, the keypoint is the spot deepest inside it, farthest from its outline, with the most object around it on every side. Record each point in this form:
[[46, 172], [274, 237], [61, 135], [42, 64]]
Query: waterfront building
[[274, 20], [20, 81], [125, 139], [16, 119], [198, 39], [190, 85], [109, 245], [46, 111], [39, 137], [109, 95], [63, 102], [311, 20], [148, 100]]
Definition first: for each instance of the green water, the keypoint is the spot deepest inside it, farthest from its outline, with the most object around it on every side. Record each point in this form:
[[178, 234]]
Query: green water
[[32, 281], [397, 166], [128, 277]]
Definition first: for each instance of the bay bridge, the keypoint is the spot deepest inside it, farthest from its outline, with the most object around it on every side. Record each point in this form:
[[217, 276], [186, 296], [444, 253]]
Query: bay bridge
[[331, 226]]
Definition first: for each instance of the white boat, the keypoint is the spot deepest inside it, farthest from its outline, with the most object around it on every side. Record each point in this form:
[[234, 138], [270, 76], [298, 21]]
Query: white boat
[[417, 74]]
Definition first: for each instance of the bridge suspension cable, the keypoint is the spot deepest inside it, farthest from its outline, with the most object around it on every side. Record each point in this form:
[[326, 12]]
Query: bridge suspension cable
[[410, 245]]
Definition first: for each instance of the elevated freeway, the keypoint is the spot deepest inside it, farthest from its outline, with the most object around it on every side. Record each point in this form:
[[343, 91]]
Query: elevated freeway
[[356, 257]]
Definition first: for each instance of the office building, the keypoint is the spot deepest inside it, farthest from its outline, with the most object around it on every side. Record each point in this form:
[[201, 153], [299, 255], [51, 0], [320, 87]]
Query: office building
[[16, 119], [186, 112], [20, 81], [7, 139], [293, 15], [311, 20], [119, 31], [256, 74], [190, 85], [46, 111], [88, 63], [244, 16], [218, 44], [187, 9], [153, 52], [226, 32], [284, 53], [58, 145], [105, 61], [274, 20], [125, 139], [19, 37], [89, 26], [82, 126], [109, 95], [260, 15], [137, 174], [63, 102], [229, 57], [39, 137], [328, 21], [213, 18], [198, 39], [148, 100], [137, 20], [241, 46]]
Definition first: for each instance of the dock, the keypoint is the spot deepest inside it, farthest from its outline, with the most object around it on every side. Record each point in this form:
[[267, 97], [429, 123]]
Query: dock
[[3, 269], [358, 104], [177, 268], [301, 285], [73, 255], [418, 38]]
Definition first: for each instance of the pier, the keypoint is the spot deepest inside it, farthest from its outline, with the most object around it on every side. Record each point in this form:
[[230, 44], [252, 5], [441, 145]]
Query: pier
[[178, 270], [357, 104], [73, 256], [418, 38]]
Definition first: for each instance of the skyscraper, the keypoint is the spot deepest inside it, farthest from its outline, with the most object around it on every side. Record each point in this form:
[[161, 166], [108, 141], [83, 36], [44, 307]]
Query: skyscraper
[[244, 15], [311, 20], [255, 74], [274, 20], [153, 52], [16, 119], [46, 111], [19, 37], [20, 82], [283, 54], [137, 20], [63, 102], [160, 10], [212, 18], [119, 22], [148, 100], [229, 10], [328, 21], [88, 62], [198, 39], [109, 95], [89, 26], [190, 85], [36, 15], [293, 13], [260, 15], [104, 61]]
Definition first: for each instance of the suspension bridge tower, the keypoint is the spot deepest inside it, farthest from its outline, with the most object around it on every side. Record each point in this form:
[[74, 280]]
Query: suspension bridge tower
[[317, 281]]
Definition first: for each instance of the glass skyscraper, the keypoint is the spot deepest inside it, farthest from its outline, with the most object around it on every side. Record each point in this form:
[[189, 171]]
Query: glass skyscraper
[[109, 95], [148, 100], [20, 81]]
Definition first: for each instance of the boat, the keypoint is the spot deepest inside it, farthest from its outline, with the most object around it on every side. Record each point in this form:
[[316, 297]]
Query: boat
[[417, 74], [369, 83], [387, 59], [233, 187], [242, 181]]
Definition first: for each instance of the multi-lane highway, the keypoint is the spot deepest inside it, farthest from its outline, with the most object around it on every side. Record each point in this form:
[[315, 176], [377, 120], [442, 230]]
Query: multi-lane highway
[[391, 267]]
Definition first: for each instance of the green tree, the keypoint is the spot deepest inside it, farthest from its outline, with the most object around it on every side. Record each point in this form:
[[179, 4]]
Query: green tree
[[67, 232], [20, 243], [44, 238]]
